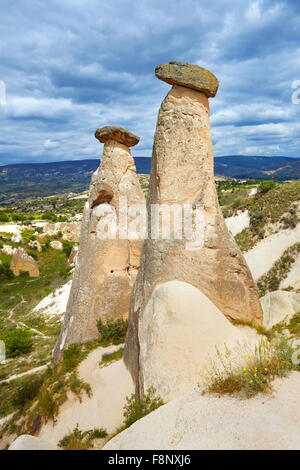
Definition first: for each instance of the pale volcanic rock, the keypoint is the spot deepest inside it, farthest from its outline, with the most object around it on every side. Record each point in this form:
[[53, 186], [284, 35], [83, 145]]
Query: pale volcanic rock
[[70, 230], [22, 262], [72, 260], [204, 422], [56, 245], [182, 173], [28, 442], [8, 250], [17, 238], [106, 268], [35, 245], [279, 306]]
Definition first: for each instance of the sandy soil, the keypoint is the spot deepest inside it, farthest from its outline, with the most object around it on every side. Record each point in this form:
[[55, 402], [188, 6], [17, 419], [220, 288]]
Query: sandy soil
[[110, 386]]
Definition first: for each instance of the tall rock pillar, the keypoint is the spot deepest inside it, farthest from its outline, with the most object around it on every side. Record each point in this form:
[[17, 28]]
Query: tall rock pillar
[[187, 296], [107, 265]]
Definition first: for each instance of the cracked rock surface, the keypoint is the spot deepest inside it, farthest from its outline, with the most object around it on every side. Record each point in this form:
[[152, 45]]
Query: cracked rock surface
[[106, 266]]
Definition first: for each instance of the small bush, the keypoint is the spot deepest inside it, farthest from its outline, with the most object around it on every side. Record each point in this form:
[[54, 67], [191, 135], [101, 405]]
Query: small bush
[[27, 390], [17, 341], [72, 356], [112, 331], [106, 358], [81, 440], [265, 186], [268, 361], [5, 272], [67, 247], [47, 406], [137, 409]]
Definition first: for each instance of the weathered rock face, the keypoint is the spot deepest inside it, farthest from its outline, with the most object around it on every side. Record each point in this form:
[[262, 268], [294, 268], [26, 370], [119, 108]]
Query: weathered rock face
[[106, 268], [72, 260], [279, 306], [22, 262], [70, 230], [182, 173]]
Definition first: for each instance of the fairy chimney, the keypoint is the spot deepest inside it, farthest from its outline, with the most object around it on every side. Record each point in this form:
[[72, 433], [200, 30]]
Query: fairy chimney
[[107, 262], [187, 295]]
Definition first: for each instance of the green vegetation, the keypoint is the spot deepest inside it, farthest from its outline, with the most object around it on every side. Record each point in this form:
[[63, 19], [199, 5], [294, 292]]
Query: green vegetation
[[266, 185], [37, 399], [279, 271], [17, 341], [115, 356], [27, 390], [273, 203], [81, 440], [137, 409], [112, 330], [259, 368]]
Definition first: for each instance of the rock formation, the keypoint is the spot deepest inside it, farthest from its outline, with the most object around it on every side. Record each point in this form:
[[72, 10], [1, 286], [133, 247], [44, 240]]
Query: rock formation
[[106, 268], [70, 230], [22, 262], [56, 245], [164, 345]]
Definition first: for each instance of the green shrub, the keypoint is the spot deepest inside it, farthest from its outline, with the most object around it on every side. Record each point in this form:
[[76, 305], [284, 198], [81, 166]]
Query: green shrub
[[106, 358], [271, 280], [112, 330], [17, 341], [47, 406], [5, 272], [67, 247], [72, 356], [27, 390], [268, 361], [265, 186], [137, 409], [81, 440], [4, 218]]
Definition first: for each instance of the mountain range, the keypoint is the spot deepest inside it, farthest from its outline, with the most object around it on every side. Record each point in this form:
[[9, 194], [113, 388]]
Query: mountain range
[[32, 180]]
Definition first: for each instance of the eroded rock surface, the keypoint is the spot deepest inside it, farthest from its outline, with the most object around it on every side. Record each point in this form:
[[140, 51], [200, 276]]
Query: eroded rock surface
[[182, 173], [22, 262], [106, 267]]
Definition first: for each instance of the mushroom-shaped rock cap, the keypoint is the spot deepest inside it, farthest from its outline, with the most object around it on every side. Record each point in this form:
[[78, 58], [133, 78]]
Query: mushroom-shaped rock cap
[[118, 134], [188, 75]]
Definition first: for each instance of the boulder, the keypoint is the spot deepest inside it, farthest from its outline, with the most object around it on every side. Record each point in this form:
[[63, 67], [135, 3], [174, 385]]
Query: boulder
[[22, 262], [188, 75], [182, 174], [8, 250], [27, 442], [56, 245], [279, 306], [17, 238], [70, 230], [35, 245]]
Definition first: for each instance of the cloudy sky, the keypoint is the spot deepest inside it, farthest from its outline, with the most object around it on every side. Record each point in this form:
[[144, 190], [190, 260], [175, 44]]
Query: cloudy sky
[[70, 66]]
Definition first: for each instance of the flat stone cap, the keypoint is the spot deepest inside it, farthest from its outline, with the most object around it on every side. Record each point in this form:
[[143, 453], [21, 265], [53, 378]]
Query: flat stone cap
[[188, 75], [118, 134]]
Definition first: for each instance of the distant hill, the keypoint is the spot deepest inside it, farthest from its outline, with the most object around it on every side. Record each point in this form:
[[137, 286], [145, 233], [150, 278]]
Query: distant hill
[[32, 180], [239, 166]]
